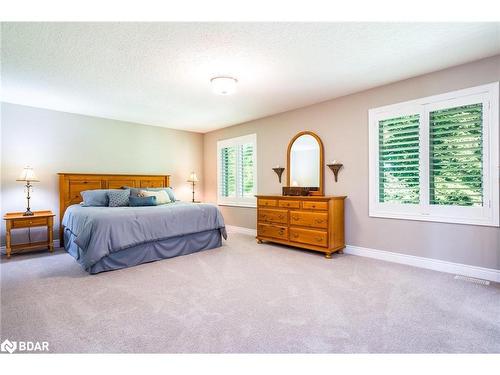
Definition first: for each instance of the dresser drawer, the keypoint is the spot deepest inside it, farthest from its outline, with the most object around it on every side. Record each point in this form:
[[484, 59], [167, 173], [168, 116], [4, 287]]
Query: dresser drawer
[[267, 202], [267, 230], [309, 236], [289, 204], [315, 205], [309, 219], [272, 216], [29, 222]]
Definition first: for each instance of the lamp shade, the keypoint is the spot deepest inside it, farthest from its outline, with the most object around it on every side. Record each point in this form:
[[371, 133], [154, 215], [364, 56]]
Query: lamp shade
[[27, 174], [192, 177]]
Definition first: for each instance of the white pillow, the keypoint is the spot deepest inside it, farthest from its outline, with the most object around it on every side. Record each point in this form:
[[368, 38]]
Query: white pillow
[[161, 196]]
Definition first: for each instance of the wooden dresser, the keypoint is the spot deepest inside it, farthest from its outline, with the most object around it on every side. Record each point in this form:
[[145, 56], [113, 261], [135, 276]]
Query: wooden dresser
[[310, 222]]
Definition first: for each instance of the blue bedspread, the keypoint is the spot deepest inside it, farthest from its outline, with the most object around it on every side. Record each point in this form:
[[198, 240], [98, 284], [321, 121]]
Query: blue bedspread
[[100, 231]]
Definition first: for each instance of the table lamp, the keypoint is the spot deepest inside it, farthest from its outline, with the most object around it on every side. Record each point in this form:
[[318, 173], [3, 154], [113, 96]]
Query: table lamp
[[192, 178], [28, 175]]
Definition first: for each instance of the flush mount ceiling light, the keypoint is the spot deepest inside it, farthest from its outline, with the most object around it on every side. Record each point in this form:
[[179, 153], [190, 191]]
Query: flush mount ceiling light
[[223, 85]]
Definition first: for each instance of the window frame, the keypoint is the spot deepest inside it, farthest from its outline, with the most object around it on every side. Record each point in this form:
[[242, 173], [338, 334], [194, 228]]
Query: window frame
[[238, 200], [488, 214]]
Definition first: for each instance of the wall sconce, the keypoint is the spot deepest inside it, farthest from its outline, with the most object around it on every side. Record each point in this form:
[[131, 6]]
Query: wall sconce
[[279, 171], [335, 167]]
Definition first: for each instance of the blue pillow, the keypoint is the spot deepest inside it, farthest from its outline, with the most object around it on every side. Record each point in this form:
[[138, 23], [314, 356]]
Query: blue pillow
[[118, 198], [134, 192], [96, 198], [141, 201]]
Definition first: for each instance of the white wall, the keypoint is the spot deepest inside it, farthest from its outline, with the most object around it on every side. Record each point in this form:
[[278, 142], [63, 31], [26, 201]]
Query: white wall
[[53, 142]]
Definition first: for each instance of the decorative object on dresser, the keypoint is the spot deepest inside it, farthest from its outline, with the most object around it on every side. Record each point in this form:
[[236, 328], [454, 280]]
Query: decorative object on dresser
[[312, 222], [72, 184], [28, 175], [17, 220], [193, 178], [305, 163], [279, 171], [299, 190], [335, 167]]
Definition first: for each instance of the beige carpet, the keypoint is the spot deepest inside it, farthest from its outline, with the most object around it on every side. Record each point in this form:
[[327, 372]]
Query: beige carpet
[[245, 297]]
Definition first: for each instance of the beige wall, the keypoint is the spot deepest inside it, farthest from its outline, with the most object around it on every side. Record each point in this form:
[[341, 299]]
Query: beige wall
[[55, 142], [342, 124]]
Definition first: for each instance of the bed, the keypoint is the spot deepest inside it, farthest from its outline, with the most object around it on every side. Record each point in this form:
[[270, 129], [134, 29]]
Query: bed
[[110, 238]]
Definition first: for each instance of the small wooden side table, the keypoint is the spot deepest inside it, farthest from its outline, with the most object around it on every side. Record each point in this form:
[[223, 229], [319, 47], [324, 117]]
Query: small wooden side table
[[16, 220]]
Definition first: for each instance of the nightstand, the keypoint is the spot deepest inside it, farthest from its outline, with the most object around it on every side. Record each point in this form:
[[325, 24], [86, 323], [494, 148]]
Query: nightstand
[[16, 220]]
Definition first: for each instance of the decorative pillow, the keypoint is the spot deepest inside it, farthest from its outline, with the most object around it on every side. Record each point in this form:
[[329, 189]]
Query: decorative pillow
[[171, 194], [141, 201], [169, 191], [134, 192], [118, 198], [161, 196], [96, 198]]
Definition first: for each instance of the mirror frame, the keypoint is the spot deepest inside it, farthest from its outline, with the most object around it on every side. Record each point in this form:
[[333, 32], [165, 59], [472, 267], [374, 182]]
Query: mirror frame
[[321, 160]]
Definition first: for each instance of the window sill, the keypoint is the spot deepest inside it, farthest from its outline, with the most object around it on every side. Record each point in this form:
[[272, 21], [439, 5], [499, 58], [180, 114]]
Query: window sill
[[488, 222], [234, 204]]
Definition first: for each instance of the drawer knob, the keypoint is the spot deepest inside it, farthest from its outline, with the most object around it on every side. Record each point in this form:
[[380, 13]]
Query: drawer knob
[[295, 218], [319, 221], [281, 231], [319, 239], [295, 235], [313, 206], [281, 216]]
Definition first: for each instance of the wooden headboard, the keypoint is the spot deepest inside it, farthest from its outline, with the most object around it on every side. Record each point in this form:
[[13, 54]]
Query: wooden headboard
[[71, 184]]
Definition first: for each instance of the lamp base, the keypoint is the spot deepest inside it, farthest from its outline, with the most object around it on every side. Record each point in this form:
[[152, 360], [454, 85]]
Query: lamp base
[[28, 213]]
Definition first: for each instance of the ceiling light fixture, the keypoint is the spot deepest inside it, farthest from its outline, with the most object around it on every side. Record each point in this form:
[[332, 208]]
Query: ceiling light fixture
[[223, 85]]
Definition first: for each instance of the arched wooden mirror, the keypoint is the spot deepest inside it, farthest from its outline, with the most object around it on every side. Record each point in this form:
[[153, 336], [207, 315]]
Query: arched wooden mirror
[[305, 162]]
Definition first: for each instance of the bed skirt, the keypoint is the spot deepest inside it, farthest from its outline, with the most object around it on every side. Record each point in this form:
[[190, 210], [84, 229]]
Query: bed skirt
[[149, 252]]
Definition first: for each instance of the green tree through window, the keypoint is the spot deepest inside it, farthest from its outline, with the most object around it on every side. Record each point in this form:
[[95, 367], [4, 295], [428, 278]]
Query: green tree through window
[[237, 170], [399, 160], [456, 156]]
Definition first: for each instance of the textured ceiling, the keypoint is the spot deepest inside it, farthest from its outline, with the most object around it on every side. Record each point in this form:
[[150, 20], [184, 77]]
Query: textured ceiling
[[159, 73]]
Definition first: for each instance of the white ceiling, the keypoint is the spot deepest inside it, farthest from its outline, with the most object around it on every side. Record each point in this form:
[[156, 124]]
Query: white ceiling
[[159, 73]]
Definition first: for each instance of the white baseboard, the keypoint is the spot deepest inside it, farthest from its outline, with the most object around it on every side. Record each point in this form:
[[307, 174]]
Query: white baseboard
[[242, 230], [56, 245], [410, 260], [428, 263]]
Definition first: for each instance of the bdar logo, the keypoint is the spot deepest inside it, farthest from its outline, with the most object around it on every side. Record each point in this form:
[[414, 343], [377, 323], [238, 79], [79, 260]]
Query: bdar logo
[[8, 346]]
